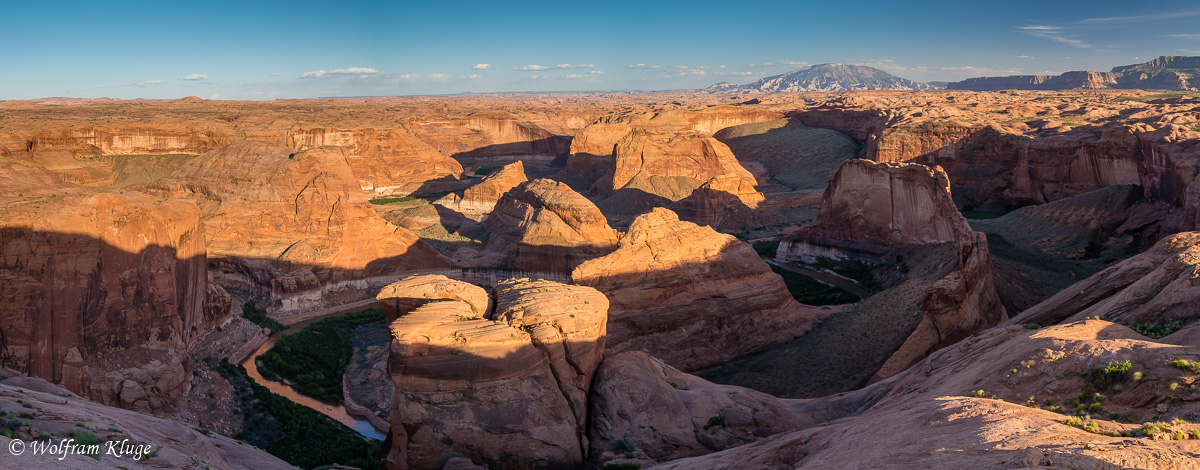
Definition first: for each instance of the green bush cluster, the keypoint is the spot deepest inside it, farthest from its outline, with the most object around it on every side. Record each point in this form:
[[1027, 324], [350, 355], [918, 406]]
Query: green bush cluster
[[313, 360], [260, 318], [295, 433]]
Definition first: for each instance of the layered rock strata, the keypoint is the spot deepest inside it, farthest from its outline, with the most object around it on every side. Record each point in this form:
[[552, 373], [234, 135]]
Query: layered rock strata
[[294, 226], [544, 226], [102, 290], [507, 389], [870, 209], [691, 296]]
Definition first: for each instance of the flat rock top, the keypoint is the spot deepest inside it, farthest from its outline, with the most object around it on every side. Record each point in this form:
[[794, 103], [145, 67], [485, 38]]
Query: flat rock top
[[438, 287]]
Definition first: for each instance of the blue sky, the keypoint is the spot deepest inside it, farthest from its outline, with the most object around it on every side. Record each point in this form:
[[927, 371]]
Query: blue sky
[[297, 49]]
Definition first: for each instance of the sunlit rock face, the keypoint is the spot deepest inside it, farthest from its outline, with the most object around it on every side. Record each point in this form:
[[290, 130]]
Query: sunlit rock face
[[691, 296], [385, 161], [294, 226], [542, 225], [507, 389], [100, 290]]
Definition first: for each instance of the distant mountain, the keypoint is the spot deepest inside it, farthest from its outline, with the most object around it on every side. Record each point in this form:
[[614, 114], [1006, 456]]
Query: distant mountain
[[1163, 73], [824, 77]]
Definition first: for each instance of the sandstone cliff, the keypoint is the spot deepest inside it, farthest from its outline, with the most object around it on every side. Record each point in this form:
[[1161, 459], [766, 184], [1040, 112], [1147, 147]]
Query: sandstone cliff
[[544, 226], [894, 205], [102, 289], [386, 161], [691, 296], [725, 202], [868, 211], [643, 155], [293, 226], [482, 197], [507, 389]]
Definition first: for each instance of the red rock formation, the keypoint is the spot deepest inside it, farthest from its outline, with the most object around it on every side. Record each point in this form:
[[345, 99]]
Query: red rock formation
[[294, 226], [726, 202], [948, 391], [897, 205], [482, 197], [1155, 288], [508, 389], [170, 444], [644, 156], [102, 290], [691, 296], [386, 161], [401, 297], [870, 209], [543, 226], [666, 414]]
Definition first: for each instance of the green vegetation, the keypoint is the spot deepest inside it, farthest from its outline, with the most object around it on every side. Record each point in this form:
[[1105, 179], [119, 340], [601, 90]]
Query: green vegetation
[[84, 438], [858, 271], [313, 360], [809, 291], [980, 215], [1157, 96], [715, 421], [766, 249], [392, 200], [260, 318], [1158, 331], [1186, 365], [1031, 326], [295, 433], [487, 170]]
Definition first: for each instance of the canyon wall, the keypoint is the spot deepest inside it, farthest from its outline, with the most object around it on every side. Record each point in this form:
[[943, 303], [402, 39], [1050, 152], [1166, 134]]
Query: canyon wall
[[102, 290], [292, 226]]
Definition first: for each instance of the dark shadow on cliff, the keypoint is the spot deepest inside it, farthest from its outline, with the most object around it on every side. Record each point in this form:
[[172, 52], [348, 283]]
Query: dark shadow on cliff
[[70, 299]]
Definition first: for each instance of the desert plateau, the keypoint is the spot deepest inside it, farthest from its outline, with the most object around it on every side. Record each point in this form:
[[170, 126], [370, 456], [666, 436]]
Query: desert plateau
[[609, 264]]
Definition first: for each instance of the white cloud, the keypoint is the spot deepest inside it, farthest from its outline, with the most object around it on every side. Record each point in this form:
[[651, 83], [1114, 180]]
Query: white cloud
[[438, 76], [782, 63], [740, 73], [483, 67], [148, 82], [360, 72], [1150, 17], [577, 76], [1189, 37], [195, 77], [552, 67], [472, 76], [1026, 57], [1056, 34]]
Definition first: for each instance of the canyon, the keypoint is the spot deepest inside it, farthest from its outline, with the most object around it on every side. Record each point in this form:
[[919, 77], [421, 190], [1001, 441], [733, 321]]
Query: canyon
[[614, 280]]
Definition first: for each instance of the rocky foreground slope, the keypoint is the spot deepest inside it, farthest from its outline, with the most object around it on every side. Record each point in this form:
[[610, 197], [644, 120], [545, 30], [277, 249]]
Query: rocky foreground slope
[[38, 411]]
